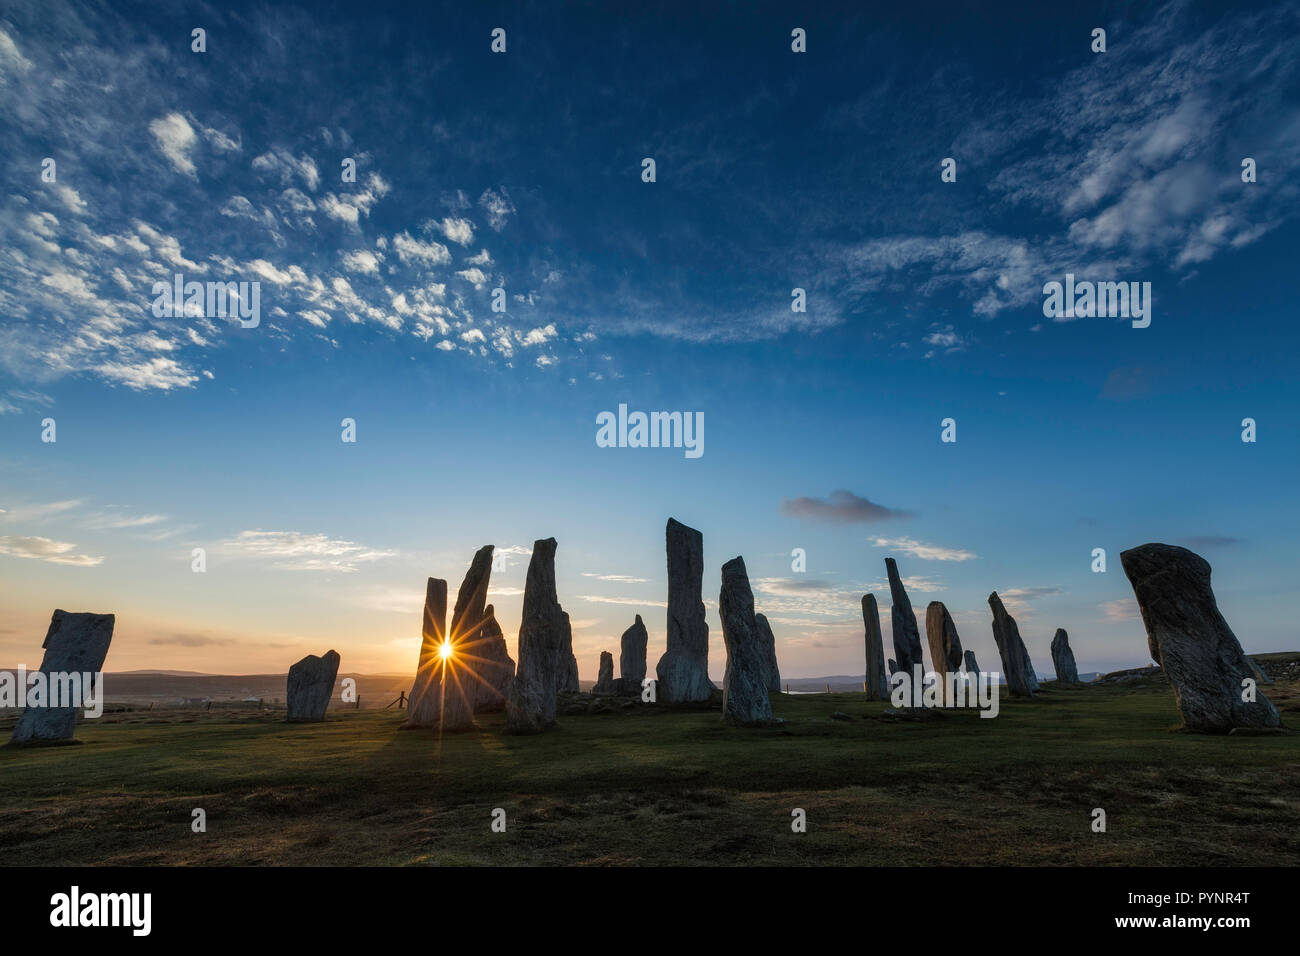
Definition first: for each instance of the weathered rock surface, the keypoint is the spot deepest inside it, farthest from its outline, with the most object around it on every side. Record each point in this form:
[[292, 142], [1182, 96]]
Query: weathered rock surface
[[422, 710], [1192, 643], [310, 686], [631, 657], [530, 703], [1063, 658], [1031, 676], [945, 645], [1010, 648], [569, 683], [770, 666], [902, 621], [972, 665], [493, 665], [605, 675], [745, 700], [877, 680], [893, 667], [76, 643], [683, 671]]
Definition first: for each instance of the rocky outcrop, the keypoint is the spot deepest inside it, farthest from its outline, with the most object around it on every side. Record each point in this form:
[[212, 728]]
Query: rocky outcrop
[[311, 684], [1010, 648], [1188, 637], [76, 643], [902, 621], [770, 667], [605, 675], [877, 680], [945, 645], [683, 671], [543, 630], [1063, 658], [745, 700]]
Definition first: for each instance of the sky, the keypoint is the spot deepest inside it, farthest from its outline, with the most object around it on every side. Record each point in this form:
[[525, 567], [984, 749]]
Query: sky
[[523, 170]]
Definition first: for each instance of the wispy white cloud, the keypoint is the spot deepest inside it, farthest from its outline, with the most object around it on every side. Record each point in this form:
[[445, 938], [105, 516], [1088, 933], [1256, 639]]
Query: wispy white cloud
[[926, 552]]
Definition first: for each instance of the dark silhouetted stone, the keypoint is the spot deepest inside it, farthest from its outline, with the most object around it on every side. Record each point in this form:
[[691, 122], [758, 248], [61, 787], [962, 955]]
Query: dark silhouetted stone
[[877, 681], [76, 643], [311, 684], [1192, 643], [1010, 648], [683, 671], [493, 665], [632, 656], [902, 621], [945, 645], [770, 666], [1063, 658], [605, 676], [543, 630], [745, 700]]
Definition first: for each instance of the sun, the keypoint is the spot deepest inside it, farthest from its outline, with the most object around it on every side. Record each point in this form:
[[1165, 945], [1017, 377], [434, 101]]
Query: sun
[[446, 650]]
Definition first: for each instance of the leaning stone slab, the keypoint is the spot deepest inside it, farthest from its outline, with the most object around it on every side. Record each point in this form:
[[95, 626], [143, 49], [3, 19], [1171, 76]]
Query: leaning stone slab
[[311, 685], [76, 643], [1010, 648], [945, 645], [1192, 643], [770, 666], [493, 665], [745, 700], [902, 621]]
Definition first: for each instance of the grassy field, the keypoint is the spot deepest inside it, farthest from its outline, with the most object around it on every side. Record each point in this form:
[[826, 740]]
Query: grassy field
[[647, 784]]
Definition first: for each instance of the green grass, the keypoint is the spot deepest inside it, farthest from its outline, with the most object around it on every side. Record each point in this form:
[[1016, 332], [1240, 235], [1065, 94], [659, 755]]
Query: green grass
[[657, 786]]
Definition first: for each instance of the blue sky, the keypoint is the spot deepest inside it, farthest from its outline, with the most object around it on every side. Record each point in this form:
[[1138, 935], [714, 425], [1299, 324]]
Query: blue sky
[[522, 171]]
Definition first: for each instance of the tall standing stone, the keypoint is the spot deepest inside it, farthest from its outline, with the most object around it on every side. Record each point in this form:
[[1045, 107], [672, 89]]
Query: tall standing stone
[[421, 712], [683, 671], [745, 693], [1010, 648], [877, 682], [1192, 643], [972, 666], [771, 667], [631, 658], [76, 643], [568, 663], [605, 675], [945, 645], [493, 665], [310, 686], [530, 704], [1063, 658], [902, 621], [470, 613]]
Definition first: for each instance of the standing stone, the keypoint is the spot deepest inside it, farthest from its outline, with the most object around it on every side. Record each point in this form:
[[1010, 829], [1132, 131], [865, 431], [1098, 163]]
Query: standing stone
[[893, 667], [1063, 658], [877, 682], [76, 643], [770, 665], [1031, 676], [568, 663], [902, 621], [631, 658], [494, 665], [745, 700], [972, 666], [1010, 648], [311, 684], [605, 676], [1190, 640], [469, 615], [945, 645], [683, 671], [530, 704], [421, 711]]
